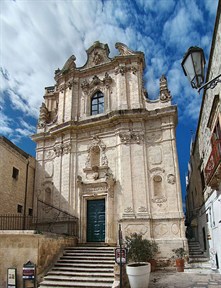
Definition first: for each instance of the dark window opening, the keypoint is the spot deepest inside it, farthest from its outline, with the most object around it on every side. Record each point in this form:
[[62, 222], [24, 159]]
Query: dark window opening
[[19, 208], [97, 103], [15, 172], [30, 212], [202, 180]]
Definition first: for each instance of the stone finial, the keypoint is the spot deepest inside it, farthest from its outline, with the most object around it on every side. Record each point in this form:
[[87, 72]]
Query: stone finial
[[164, 92]]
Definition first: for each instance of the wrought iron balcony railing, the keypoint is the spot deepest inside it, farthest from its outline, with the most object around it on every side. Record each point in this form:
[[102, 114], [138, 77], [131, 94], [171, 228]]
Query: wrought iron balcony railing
[[213, 166]]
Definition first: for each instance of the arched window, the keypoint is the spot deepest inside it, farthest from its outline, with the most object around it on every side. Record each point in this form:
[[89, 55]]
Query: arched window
[[97, 103]]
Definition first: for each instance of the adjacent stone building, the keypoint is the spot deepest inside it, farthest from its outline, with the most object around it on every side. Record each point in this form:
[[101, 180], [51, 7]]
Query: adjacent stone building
[[17, 172], [204, 181], [107, 154]]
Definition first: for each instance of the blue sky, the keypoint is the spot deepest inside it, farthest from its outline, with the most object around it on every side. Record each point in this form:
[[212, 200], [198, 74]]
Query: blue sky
[[38, 36]]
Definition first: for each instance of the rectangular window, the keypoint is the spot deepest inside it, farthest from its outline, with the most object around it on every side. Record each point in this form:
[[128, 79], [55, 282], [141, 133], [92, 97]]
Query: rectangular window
[[30, 212], [15, 172], [19, 208]]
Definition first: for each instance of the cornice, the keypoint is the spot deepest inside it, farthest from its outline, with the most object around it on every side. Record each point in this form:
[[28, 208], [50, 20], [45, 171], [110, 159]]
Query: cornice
[[109, 119]]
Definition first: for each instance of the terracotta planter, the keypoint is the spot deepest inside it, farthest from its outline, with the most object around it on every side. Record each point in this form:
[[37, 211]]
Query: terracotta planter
[[180, 265], [138, 274], [153, 263]]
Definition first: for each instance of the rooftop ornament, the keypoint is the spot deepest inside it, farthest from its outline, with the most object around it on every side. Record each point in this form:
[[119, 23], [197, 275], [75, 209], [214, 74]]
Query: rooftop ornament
[[193, 65]]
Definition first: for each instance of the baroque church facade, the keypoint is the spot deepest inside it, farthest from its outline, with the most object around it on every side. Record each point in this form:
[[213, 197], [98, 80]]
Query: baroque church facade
[[107, 154]]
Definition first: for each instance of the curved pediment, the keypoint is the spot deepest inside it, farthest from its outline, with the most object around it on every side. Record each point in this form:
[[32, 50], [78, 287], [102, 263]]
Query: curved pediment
[[97, 54]]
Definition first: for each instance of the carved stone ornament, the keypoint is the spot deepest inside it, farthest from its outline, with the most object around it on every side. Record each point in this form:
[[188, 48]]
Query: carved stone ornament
[[43, 116], [69, 64], [131, 137], [128, 210], [164, 92], [159, 200], [49, 154], [96, 81], [97, 57], [124, 50], [62, 148], [121, 69], [142, 209], [171, 179]]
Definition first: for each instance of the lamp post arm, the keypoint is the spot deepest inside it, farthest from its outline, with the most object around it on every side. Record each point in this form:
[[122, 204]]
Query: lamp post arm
[[211, 84]]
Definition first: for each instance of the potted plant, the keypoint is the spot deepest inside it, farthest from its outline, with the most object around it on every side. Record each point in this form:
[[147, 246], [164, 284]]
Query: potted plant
[[139, 252], [180, 254]]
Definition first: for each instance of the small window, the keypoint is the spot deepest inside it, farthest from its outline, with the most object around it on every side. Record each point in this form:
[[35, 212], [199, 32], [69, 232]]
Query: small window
[[97, 103], [30, 212], [19, 208], [15, 172]]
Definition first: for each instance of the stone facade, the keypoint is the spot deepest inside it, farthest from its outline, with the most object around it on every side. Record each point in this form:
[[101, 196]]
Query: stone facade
[[203, 209], [123, 152], [17, 171]]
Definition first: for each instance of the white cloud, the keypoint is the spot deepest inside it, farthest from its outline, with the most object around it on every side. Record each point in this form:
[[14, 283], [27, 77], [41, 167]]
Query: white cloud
[[5, 124], [39, 36]]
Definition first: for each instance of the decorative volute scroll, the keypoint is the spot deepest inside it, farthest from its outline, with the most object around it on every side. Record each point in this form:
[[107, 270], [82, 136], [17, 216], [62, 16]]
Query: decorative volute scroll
[[164, 92], [44, 116], [69, 64]]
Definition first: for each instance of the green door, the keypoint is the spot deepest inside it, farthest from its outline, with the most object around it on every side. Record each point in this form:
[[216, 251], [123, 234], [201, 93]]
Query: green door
[[96, 220]]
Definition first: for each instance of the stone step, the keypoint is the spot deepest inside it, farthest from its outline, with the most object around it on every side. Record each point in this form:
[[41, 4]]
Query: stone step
[[198, 259], [60, 284], [82, 278], [80, 256], [77, 264], [77, 268], [80, 273], [82, 267]]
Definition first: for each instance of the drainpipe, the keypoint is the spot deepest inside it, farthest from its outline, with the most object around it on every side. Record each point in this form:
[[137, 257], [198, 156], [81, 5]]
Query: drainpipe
[[26, 190]]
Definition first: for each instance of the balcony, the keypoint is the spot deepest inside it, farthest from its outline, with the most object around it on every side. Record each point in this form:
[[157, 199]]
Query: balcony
[[213, 166]]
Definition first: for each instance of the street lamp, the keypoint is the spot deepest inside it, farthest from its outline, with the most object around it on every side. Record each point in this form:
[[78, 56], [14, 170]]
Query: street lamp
[[193, 65]]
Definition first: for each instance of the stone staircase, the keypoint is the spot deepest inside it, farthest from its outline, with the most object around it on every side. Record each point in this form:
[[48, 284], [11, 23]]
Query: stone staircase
[[197, 259], [82, 267]]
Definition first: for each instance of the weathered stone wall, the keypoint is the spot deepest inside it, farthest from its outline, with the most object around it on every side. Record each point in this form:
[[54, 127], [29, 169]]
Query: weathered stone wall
[[13, 191], [19, 247]]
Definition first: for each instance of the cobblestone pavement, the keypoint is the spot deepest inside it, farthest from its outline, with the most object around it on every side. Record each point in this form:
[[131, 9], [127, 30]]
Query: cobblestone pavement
[[187, 279]]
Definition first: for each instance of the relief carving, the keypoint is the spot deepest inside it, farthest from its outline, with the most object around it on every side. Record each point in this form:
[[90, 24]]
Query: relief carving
[[131, 137], [171, 179], [142, 209], [87, 86], [128, 210]]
